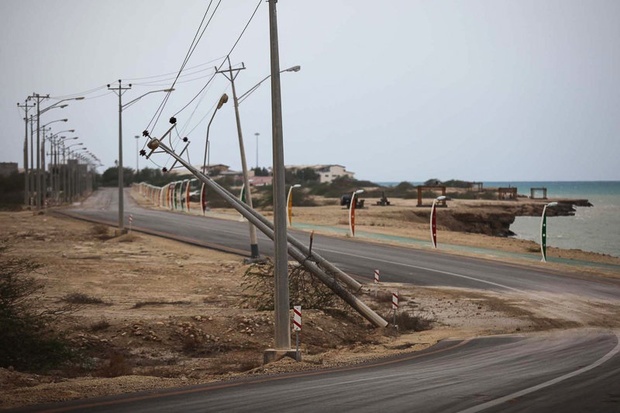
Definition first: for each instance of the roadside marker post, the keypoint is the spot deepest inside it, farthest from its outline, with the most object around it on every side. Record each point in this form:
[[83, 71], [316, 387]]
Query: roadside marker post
[[130, 221], [376, 282], [297, 327], [395, 308]]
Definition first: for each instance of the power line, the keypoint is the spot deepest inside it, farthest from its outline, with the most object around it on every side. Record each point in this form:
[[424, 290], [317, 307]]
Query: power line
[[223, 60], [189, 53]]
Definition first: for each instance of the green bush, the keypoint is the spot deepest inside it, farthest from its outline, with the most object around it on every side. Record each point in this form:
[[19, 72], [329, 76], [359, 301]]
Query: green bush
[[27, 341]]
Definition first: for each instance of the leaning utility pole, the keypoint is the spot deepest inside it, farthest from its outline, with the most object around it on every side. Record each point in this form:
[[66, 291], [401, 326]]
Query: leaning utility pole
[[27, 188], [119, 90], [254, 254]]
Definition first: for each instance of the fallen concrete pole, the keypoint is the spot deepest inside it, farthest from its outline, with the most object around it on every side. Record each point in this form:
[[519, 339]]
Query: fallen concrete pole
[[300, 254]]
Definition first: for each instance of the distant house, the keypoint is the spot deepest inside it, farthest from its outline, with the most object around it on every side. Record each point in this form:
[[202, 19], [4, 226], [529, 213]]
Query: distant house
[[261, 180], [327, 173]]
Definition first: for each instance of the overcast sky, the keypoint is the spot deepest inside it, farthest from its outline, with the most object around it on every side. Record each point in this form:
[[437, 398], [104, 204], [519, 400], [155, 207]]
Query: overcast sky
[[397, 90]]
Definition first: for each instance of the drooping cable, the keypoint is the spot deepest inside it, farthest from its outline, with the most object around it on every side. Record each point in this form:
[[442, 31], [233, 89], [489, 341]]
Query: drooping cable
[[189, 53]]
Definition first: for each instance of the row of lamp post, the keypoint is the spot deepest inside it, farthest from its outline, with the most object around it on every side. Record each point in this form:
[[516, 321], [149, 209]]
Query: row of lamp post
[[35, 181]]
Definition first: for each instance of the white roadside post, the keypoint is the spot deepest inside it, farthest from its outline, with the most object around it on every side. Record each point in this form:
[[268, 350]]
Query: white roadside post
[[297, 328], [130, 221], [376, 282], [395, 308]]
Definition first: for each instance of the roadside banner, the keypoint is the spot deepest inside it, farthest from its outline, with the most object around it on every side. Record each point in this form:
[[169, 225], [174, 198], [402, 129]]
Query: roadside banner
[[187, 195], [434, 226], [352, 216], [203, 198]]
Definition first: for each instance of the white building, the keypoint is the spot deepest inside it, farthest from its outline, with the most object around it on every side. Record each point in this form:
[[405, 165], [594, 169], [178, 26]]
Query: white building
[[327, 173]]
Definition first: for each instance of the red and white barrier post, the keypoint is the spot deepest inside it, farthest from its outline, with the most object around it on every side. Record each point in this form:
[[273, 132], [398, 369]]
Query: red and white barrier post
[[297, 325], [395, 307], [130, 219], [376, 282]]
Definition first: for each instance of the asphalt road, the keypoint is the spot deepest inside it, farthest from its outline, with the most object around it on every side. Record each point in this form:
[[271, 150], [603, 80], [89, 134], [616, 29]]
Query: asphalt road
[[558, 372], [571, 371]]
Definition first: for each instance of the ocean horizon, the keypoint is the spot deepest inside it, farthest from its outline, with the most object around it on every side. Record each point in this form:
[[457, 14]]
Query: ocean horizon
[[594, 229]]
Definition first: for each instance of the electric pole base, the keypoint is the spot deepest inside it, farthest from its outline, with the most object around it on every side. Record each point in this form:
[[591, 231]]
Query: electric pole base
[[275, 355]]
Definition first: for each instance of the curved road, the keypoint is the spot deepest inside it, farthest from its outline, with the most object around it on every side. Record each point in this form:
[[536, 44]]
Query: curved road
[[571, 371]]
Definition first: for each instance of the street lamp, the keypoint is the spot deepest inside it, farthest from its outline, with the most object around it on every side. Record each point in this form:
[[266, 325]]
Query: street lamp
[[433, 222], [39, 98], [543, 231], [289, 203], [241, 98], [119, 91], [58, 171], [254, 253], [352, 212], [41, 182], [220, 103], [69, 173], [137, 155]]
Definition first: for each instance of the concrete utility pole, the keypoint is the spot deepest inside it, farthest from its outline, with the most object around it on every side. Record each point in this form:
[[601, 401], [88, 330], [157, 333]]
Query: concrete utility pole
[[254, 254], [119, 90], [38, 98], [27, 188], [257, 135], [281, 299]]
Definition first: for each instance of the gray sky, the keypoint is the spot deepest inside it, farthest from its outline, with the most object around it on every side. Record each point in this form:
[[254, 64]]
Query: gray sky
[[396, 90]]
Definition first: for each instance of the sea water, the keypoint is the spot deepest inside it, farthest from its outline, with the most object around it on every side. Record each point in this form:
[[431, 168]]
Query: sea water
[[595, 228]]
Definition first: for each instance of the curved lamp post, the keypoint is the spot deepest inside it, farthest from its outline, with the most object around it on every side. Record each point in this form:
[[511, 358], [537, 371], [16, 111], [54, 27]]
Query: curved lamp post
[[241, 98], [220, 103], [543, 231], [433, 222], [254, 253], [289, 203], [352, 212]]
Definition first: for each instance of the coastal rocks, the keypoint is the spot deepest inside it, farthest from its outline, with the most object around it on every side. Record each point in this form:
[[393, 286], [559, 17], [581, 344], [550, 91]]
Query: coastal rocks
[[495, 223], [496, 219]]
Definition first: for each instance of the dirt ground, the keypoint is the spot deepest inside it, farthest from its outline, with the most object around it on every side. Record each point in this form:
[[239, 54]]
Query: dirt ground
[[170, 314]]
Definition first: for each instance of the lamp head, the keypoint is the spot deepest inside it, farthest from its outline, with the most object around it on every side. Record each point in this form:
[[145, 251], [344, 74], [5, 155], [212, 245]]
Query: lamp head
[[296, 68], [359, 191], [223, 100], [552, 204], [441, 198]]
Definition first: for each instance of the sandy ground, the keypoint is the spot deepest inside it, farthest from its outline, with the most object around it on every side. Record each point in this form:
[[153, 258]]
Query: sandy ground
[[173, 314]]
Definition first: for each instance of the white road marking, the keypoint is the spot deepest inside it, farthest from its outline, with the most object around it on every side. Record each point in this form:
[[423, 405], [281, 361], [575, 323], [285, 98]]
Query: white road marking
[[452, 274]]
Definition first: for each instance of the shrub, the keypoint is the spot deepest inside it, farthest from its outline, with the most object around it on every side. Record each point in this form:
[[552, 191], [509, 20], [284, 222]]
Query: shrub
[[27, 341], [80, 298], [304, 289], [409, 322]]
